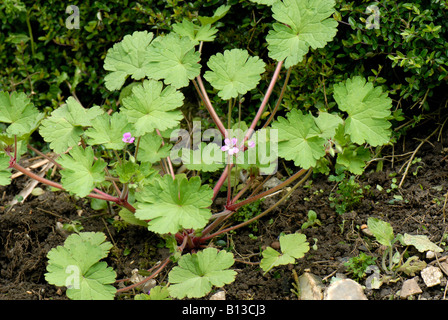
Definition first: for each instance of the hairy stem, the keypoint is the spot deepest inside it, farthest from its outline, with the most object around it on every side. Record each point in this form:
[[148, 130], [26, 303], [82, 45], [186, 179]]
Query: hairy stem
[[252, 126], [98, 194], [280, 98], [199, 85], [264, 102], [221, 180]]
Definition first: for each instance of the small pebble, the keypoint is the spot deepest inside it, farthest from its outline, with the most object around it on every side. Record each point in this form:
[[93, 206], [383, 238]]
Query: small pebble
[[410, 287], [345, 289], [275, 245], [220, 295], [432, 276]]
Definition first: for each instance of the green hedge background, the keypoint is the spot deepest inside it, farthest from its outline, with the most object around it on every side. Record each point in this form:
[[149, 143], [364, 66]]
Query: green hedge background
[[408, 53]]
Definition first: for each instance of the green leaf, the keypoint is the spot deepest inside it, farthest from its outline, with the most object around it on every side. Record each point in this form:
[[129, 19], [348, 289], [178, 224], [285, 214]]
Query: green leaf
[[151, 148], [21, 115], [129, 57], [63, 129], [368, 111], [172, 205], [206, 158], [108, 130], [194, 32], [5, 173], [81, 172], [354, 158], [302, 24], [412, 266], [157, 293], [421, 243], [328, 123], [197, 273], [151, 107], [173, 59], [293, 246], [76, 265], [234, 72], [382, 231], [130, 218], [299, 139], [95, 238], [219, 14], [131, 172]]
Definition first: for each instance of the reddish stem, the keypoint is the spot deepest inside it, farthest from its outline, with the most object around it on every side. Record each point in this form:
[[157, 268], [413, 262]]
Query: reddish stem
[[204, 96], [211, 236], [252, 126], [98, 195], [221, 180], [167, 260], [265, 101], [235, 206]]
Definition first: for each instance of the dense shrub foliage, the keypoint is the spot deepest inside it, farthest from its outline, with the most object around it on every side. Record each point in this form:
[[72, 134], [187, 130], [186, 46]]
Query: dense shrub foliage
[[44, 58], [407, 52]]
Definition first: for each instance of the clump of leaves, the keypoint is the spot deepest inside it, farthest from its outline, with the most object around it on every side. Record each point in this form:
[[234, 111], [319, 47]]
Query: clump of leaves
[[357, 265], [77, 266], [247, 212], [348, 194]]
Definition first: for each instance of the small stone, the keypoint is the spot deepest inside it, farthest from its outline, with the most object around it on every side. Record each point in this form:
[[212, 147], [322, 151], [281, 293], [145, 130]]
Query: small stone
[[410, 287], [275, 245], [345, 289], [366, 231], [137, 278], [431, 276], [311, 287], [430, 255], [220, 295], [271, 183]]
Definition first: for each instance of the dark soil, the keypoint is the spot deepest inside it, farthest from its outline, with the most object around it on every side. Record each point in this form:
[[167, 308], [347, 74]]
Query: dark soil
[[28, 231]]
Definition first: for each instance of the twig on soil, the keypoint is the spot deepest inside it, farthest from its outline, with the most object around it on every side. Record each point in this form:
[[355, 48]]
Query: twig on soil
[[31, 185], [247, 262], [53, 214], [108, 231], [409, 162], [329, 276], [33, 166]]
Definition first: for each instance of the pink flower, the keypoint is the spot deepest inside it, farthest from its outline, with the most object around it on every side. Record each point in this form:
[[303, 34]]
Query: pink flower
[[230, 146], [128, 138], [251, 144]]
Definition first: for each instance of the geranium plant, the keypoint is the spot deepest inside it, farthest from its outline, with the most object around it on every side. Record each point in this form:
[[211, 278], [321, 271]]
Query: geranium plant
[[112, 156]]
